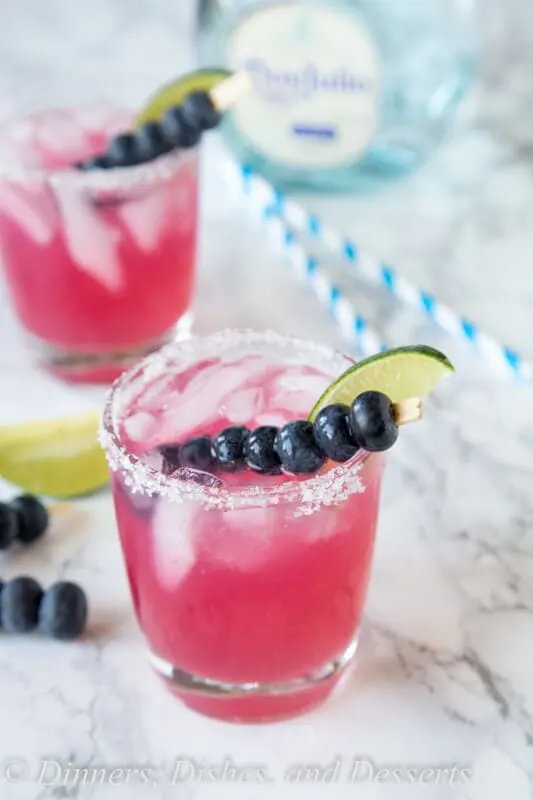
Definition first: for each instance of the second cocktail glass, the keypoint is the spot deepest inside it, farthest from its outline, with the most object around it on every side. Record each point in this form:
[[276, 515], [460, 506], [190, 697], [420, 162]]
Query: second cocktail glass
[[100, 266], [249, 588]]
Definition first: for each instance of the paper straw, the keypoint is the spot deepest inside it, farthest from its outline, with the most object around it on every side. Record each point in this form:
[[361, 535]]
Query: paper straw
[[371, 270], [354, 327]]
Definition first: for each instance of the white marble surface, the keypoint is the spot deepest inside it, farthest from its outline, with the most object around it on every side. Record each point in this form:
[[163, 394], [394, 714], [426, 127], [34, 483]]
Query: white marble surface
[[445, 668]]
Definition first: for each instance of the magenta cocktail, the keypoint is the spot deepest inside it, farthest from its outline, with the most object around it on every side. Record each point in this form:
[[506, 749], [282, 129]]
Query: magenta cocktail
[[249, 588], [100, 265]]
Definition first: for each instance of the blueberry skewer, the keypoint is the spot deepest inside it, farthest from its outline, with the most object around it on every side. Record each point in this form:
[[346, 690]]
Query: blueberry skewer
[[300, 447], [181, 127]]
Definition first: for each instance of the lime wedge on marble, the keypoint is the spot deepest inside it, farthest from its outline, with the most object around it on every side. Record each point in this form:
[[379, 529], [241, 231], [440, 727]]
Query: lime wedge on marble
[[59, 458], [175, 92], [401, 374]]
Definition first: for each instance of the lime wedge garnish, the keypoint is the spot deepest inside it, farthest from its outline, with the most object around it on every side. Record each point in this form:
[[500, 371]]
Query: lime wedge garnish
[[58, 458], [175, 92], [401, 374]]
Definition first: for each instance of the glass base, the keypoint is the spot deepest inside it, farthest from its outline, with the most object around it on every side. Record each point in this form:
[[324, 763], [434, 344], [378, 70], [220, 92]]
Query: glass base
[[255, 702], [76, 367]]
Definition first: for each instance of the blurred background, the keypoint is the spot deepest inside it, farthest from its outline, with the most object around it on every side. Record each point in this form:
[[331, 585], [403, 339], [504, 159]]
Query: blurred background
[[458, 227]]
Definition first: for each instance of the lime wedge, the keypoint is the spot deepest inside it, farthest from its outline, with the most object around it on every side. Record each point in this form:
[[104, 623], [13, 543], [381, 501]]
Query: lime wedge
[[175, 92], [59, 458], [401, 374]]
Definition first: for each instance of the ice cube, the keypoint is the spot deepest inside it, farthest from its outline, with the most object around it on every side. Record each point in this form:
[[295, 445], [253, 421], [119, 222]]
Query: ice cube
[[144, 504], [153, 459], [20, 131], [314, 385], [145, 218], [244, 406], [296, 404], [200, 404], [158, 391], [198, 477], [92, 243], [103, 118], [321, 524], [140, 426], [184, 202], [296, 391], [275, 418], [172, 531], [59, 137], [243, 538], [32, 208]]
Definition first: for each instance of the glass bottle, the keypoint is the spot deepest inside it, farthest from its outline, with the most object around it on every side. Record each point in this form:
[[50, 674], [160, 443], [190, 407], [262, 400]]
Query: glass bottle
[[347, 93]]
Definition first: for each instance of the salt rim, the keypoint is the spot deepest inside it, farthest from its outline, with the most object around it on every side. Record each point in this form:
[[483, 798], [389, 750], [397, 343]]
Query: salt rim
[[326, 489], [161, 169]]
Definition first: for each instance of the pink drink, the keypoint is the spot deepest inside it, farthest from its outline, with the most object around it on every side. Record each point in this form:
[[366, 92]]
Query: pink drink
[[250, 593], [100, 266]]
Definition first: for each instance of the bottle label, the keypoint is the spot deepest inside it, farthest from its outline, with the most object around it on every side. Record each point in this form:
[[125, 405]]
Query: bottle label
[[316, 74]]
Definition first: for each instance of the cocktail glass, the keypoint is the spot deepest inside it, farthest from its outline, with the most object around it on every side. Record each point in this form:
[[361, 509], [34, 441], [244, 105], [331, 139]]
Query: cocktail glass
[[249, 589], [100, 265]]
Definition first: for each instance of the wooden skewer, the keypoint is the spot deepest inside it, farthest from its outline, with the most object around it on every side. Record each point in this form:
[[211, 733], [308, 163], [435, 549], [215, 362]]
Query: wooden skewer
[[61, 508], [408, 411], [226, 93]]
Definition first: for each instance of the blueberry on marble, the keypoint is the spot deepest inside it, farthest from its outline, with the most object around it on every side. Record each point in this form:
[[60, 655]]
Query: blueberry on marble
[[297, 449], [32, 516], [228, 448], [63, 611], [9, 527], [333, 434], [122, 151], [151, 142], [373, 422], [19, 604], [178, 130], [199, 110], [196, 453], [259, 451]]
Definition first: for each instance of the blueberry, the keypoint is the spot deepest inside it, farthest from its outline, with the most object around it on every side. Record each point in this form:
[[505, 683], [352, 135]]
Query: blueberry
[[151, 142], [171, 458], [122, 151], [94, 162], [297, 449], [198, 109], [63, 611], [196, 453], [333, 434], [259, 451], [19, 605], [372, 421], [228, 448], [9, 526], [177, 130], [32, 516]]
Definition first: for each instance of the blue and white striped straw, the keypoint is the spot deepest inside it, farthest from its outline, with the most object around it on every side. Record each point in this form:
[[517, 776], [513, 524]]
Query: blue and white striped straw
[[500, 357], [353, 326]]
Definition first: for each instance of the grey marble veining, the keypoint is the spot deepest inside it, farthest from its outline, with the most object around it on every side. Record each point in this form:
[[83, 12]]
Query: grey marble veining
[[446, 663]]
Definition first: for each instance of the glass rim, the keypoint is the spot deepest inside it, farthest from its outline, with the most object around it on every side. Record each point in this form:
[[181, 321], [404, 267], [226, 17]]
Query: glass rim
[[161, 169], [326, 488]]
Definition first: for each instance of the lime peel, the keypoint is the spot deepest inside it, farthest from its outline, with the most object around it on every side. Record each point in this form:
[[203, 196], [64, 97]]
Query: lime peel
[[175, 92], [403, 374], [58, 458]]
